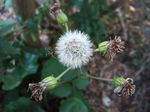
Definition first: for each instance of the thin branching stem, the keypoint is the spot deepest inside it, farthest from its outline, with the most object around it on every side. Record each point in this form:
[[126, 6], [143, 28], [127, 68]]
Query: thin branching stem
[[100, 78], [97, 78]]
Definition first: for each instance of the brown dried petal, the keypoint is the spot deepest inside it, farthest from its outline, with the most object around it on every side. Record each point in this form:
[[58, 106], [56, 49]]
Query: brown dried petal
[[115, 46], [55, 8], [37, 90], [126, 89]]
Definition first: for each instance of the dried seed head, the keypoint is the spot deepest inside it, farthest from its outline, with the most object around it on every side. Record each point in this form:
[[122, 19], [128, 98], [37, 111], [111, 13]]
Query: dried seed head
[[55, 8], [74, 49], [115, 46], [126, 88], [37, 89], [111, 48]]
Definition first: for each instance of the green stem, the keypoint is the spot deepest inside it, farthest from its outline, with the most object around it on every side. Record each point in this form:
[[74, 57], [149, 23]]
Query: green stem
[[100, 78], [66, 26], [96, 50], [63, 73], [97, 78]]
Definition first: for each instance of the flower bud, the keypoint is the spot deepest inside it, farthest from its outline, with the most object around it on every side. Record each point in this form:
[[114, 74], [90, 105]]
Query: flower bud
[[118, 81], [102, 47], [51, 82], [61, 18]]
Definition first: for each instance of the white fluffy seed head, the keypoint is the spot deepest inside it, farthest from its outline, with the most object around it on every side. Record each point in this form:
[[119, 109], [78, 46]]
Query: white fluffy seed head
[[74, 49]]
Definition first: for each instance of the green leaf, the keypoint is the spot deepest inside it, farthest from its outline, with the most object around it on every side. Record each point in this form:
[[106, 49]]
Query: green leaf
[[15, 75], [11, 96], [73, 104], [91, 21], [81, 82], [6, 26], [80, 95], [30, 62], [7, 4], [13, 78], [69, 76], [62, 90], [5, 23], [23, 105], [6, 48], [54, 67]]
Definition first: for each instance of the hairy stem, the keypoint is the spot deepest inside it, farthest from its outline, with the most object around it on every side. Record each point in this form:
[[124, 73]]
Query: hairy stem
[[63, 73]]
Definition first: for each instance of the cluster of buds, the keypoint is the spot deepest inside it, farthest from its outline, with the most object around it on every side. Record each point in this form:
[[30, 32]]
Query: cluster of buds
[[61, 17], [124, 87], [37, 89], [111, 48]]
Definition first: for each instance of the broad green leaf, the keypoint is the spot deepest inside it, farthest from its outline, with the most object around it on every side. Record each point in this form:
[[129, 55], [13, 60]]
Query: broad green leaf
[[73, 104], [6, 26], [30, 62], [15, 76], [5, 23], [6, 48], [80, 95], [70, 75], [11, 96], [63, 90], [54, 67], [81, 82], [23, 105]]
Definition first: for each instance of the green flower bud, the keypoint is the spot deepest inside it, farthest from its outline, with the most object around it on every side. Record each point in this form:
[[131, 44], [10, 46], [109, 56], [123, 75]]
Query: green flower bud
[[102, 47], [51, 82], [118, 81], [62, 18]]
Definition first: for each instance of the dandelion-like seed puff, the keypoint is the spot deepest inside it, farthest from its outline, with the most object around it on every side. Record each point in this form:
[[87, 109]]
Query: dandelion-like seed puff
[[74, 49]]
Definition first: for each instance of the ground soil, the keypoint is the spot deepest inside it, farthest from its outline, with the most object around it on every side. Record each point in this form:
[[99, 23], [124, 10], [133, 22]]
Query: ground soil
[[134, 62]]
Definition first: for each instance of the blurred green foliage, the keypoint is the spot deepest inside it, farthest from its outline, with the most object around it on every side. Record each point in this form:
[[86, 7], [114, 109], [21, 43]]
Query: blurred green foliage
[[89, 18], [21, 64]]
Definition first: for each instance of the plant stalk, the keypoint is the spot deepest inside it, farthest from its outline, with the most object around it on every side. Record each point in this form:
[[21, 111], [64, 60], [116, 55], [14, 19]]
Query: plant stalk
[[100, 78], [66, 26], [63, 73]]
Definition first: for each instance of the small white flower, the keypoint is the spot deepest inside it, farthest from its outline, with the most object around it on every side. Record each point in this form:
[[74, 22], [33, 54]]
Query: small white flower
[[74, 49]]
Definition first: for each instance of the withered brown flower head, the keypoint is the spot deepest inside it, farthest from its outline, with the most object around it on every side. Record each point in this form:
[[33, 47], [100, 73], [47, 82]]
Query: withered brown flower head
[[55, 8], [37, 90], [117, 45], [127, 88], [114, 47]]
